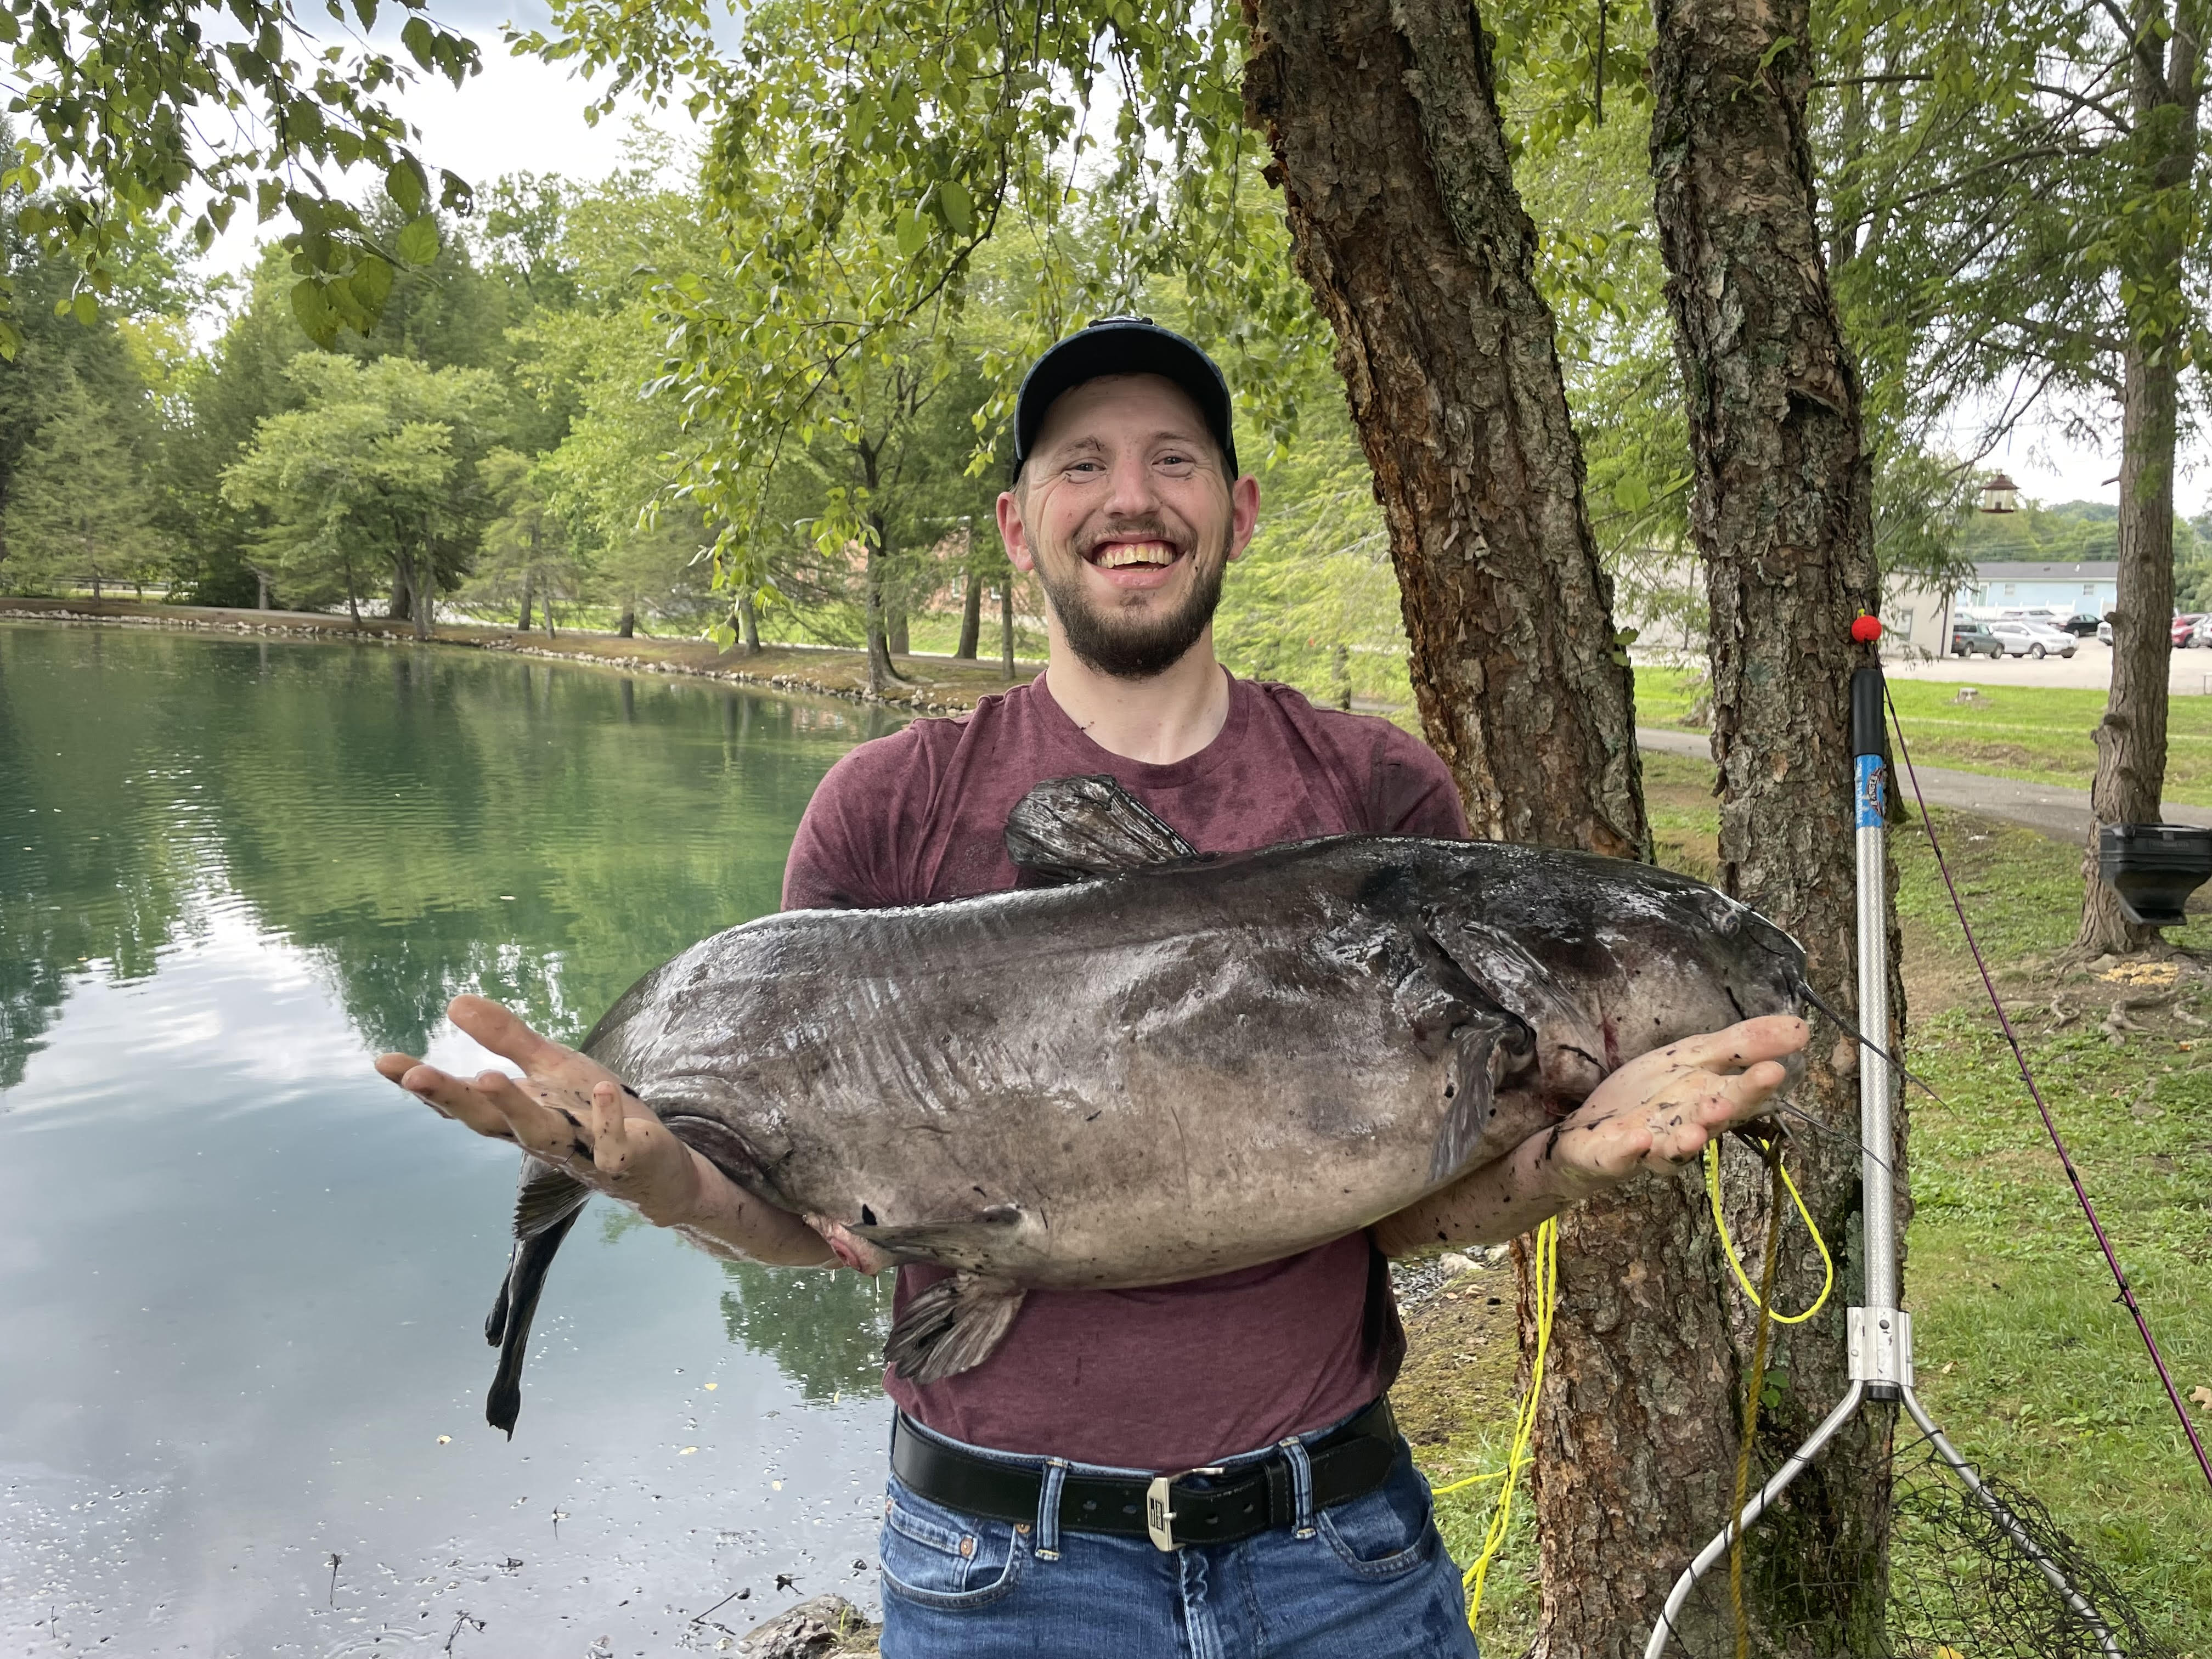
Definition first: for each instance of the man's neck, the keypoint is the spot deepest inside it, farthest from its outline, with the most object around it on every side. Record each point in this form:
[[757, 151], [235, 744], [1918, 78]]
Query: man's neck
[[1160, 721]]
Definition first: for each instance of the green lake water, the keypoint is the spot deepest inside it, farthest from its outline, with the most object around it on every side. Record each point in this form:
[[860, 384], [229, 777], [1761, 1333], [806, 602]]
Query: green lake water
[[243, 1280]]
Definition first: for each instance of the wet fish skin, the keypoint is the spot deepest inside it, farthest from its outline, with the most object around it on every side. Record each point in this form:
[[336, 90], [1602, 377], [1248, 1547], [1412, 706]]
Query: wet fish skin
[[1176, 1069]]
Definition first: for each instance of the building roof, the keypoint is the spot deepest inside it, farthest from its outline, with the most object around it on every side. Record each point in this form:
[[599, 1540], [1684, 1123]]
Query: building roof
[[2056, 571]]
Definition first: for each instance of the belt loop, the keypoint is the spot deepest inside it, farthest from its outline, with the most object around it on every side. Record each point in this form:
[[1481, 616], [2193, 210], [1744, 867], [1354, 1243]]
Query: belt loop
[[1047, 1521], [1294, 1454]]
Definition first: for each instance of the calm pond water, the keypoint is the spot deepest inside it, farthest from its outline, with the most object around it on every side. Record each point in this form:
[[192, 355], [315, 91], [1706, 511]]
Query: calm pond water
[[243, 1280]]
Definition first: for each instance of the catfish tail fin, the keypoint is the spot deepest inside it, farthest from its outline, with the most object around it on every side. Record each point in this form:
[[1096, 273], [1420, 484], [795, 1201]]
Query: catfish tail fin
[[547, 1202]]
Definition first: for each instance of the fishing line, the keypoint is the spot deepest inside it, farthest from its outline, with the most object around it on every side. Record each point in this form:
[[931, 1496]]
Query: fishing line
[[1774, 1230], [2127, 1295], [1545, 1272]]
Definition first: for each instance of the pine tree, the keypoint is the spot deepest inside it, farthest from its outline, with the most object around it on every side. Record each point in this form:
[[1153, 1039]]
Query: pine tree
[[80, 507]]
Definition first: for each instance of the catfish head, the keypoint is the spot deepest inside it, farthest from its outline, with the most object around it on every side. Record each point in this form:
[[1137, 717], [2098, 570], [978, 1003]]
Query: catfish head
[[1607, 959]]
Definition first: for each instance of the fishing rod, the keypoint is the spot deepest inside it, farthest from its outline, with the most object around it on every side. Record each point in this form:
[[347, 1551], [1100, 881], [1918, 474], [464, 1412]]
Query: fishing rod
[[1879, 1332]]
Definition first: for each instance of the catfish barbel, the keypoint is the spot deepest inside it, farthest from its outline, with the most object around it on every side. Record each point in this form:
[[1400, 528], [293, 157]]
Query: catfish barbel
[[1159, 1067]]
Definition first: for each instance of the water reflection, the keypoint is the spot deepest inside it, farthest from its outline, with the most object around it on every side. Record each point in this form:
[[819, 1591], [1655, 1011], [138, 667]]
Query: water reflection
[[244, 1280]]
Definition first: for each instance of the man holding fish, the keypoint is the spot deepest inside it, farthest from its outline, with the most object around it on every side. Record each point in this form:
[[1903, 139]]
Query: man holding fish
[[1206, 1467]]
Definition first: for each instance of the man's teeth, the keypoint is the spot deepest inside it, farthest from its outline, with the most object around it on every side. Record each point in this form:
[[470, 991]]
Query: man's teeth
[[1127, 553]]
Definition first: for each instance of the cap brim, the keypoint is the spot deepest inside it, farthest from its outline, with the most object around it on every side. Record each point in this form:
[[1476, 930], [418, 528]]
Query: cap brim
[[1123, 349]]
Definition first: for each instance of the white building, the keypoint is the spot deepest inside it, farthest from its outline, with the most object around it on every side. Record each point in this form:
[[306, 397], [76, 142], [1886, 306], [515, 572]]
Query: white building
[[2090, 589], [1914, 618]]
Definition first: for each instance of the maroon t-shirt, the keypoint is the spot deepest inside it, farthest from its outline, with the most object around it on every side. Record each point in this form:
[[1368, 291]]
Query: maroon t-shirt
[[1175, 1376]]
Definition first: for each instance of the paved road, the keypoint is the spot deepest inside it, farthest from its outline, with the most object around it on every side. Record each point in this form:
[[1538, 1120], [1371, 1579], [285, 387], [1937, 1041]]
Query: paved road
[[2062, 814]]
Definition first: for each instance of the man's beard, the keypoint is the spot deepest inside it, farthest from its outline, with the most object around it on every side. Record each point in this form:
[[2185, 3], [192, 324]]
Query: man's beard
[[1108, 641]]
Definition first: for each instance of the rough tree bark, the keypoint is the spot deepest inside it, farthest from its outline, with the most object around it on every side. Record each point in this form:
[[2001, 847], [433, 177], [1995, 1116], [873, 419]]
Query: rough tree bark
[[971, 618], [1398, 186], [1782, 517], [2131, 783], [1398, 183]]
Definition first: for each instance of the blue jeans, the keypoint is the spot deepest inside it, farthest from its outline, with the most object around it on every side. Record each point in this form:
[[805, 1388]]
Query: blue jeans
[[1369, 1579]]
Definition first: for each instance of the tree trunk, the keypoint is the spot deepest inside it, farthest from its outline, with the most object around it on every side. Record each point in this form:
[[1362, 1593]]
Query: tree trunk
[[2130, 786], [1782, 517], [1007, 628], [95, 587], [896, 633], [1398, 182], [628, 627], [971, 618], [748, 625], [261, 590], [422, 600], [401, 608], [523, 625], [882, 675]]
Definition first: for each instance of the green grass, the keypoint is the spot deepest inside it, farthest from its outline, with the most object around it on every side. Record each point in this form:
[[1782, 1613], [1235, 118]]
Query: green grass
[[2041, 734], [2023, 1354]]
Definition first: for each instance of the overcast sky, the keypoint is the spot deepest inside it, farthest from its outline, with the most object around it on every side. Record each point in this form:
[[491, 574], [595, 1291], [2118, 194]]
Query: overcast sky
[[521, 114]]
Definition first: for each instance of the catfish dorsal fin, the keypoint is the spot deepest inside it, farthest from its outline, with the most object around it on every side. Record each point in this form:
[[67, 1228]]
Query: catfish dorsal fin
[[1072, 828]]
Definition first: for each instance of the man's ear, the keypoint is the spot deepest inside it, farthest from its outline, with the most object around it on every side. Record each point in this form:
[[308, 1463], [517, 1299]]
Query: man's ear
[[1013, 532], [1243, 514]]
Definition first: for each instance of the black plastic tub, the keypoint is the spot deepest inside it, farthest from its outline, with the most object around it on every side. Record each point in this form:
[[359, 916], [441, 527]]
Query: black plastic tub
[[2153, 867]]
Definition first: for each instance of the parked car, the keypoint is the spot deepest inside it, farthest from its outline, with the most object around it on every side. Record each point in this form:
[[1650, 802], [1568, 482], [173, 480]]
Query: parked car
[[2082, 624], [1973, 639], [2202, 634], [2027, 638], [2184, 624], [2103, 633]]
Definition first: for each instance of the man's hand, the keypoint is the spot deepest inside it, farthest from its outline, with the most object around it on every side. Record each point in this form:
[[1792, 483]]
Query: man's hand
[[1656, 1112], [570, 1110], [1660, 1109]]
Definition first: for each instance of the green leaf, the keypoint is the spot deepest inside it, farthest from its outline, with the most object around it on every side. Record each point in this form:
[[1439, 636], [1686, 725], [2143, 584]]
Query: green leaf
[[313, 311], [87, 309], [1632, 493], [959, 211], [372, 283], [418, 243], [404, 184], [418, 38]]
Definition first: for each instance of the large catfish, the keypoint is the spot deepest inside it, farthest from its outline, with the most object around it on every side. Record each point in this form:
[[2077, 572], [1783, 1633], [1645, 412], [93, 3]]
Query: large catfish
[[1158, 1065]]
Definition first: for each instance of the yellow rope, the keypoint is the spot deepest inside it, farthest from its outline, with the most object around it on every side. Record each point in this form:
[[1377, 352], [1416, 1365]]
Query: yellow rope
[[1755, 1387], [1546, 1272], [1728, 1244]]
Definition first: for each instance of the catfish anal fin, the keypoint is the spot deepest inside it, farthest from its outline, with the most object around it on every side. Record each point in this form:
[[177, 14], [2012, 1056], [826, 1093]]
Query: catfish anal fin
[[1072, 828], [951, 1327], [546, 1205]]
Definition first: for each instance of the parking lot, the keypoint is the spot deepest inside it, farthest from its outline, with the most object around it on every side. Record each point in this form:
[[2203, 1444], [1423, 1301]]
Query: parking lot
[[2090, 668]]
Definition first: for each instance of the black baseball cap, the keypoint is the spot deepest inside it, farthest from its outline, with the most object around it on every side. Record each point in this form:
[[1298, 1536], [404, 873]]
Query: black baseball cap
[[1122, 345]]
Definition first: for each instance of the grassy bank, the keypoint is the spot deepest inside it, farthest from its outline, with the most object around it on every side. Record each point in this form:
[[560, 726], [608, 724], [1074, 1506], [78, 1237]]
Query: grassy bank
[[2041, 734], [2022, 1352]]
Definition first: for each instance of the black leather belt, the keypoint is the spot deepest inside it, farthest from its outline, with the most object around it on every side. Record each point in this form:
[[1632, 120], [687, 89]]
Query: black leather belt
[[1348, 1462]]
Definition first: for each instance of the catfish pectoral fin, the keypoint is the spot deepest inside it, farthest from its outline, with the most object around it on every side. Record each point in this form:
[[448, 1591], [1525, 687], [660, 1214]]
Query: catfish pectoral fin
[[951, 1327], [976, 1246]]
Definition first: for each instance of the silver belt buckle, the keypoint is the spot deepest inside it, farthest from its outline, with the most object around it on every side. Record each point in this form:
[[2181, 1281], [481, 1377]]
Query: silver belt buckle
[[1158, 1517]]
